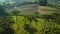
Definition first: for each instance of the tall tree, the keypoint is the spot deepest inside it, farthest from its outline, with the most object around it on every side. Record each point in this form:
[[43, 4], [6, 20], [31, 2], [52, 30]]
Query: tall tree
[[43, 2]]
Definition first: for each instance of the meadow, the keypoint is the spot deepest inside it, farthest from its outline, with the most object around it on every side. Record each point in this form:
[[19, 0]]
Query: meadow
[[30, 24]]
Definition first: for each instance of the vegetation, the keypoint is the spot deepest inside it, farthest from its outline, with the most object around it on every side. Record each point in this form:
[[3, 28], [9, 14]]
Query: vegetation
[[45, 24], [29, 24], [43, 2]]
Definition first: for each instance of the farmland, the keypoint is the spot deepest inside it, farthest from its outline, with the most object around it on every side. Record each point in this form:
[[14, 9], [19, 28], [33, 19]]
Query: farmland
[[30, 24]]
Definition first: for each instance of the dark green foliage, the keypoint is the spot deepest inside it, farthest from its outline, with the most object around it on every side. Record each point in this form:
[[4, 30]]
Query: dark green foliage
[[15, 13], [55, 30], [3, 11], [8, 31], [52, 18], [5, 23], [6, 20], [31, 17], [43, 2], [29, 29], [56, 17]]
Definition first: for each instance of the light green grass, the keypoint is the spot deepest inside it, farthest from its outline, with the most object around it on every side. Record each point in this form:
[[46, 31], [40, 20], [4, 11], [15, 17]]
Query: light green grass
[[20, 24]]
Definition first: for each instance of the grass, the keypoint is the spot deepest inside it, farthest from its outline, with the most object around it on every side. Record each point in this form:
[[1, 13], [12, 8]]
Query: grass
[[20, 23], [18, 26]]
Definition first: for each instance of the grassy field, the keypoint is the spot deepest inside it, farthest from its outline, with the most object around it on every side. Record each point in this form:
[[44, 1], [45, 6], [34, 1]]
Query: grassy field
[[20, 23], [33, 25], [18, 26]]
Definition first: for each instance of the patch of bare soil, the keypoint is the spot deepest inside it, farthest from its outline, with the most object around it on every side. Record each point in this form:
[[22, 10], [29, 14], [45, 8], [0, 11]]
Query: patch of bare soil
[[48, 11]]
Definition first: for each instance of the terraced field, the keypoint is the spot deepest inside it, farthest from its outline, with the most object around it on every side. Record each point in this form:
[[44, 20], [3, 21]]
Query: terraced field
[[48, 10], [25, 9]]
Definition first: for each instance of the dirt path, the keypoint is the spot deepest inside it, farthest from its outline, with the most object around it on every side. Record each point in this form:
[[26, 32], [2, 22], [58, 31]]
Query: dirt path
[[49, 12]]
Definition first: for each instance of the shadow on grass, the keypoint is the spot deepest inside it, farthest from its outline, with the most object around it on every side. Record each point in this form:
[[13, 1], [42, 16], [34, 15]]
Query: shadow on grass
[[5, 23], [7, 31], [30, 29]]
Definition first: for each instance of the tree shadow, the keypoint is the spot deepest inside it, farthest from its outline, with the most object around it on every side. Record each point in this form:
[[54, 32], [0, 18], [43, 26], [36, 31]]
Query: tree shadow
[[5, 25], [8, 31], [30, 29]]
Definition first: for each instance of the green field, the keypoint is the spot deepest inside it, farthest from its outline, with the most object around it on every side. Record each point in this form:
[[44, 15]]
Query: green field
[[30, 24], [19, 25]]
